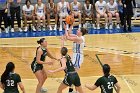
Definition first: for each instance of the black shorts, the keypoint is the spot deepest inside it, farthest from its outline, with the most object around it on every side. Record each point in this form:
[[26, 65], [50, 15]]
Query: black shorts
[[35, 67], [72, 79]]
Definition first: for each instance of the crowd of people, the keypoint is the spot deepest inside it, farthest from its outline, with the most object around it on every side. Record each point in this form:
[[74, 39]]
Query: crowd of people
[[9, 9]]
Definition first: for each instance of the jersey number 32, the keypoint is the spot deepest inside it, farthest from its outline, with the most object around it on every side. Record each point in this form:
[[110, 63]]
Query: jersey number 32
[[10, 83]]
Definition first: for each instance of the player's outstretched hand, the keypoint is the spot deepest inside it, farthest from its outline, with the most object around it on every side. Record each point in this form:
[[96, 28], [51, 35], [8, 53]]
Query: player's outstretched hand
[[50, 63], [50, 71]]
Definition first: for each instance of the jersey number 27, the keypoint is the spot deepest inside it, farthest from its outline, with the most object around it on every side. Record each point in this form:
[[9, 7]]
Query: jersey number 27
[[110, 85]]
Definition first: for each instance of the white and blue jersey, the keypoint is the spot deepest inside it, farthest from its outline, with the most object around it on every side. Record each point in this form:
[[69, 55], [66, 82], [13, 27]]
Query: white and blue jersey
[[78, 53], [40, 10]]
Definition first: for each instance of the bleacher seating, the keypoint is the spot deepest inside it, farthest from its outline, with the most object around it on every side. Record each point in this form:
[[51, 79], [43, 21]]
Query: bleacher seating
[[135, 19]]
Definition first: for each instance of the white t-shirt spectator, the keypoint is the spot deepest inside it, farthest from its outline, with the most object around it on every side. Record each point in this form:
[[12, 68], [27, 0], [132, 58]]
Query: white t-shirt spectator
[[27, 10], [100, 6], [112, 8]]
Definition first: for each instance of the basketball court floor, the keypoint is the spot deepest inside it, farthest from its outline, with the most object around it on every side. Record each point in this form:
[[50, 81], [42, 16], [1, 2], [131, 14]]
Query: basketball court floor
[[120, 50]]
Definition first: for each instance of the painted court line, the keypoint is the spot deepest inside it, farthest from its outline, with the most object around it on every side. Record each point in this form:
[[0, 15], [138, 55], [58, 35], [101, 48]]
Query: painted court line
[[128, 85], [92, 77]]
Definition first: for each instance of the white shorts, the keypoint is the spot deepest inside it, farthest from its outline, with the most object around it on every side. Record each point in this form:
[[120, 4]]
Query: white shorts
[[77, 59], [40, 14], [63, 14]]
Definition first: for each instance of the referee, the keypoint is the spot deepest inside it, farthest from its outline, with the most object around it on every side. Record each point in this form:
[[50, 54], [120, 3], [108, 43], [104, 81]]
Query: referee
[[128, 13]]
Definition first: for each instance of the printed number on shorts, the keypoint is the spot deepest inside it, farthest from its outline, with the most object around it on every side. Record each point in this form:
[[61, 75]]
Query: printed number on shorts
[[10, 83]]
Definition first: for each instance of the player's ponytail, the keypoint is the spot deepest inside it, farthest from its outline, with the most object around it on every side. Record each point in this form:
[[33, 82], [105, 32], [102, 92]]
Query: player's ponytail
[[41, 40], [9, 68], [106, 70]]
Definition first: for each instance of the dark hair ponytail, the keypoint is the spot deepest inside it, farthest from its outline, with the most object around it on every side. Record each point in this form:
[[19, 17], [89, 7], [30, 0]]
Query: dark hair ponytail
[[9, 68], [41, 40], [106, 70]]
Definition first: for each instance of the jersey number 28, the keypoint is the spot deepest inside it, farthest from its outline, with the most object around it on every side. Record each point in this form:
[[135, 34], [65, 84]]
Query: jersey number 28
[[10, 83], [110, 85]]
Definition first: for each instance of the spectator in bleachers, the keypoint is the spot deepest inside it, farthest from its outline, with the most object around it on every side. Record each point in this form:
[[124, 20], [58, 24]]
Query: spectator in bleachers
[[15, 10], [8, 17], [40, 11], [128, 13], [76, 10], [101, 12], [120, 10], [88, 13], [112, 10], [28, 14], [52, 13], [3, 14], [62, 8]]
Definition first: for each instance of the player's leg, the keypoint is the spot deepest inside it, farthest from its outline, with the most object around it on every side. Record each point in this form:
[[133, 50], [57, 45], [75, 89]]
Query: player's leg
[[98, 20], [60, 20], [129, 23], [92, 16], [79, 89], [33, 22], [40, 78], [25, 23], [48, 20], [18, 18], [118, 20], [106, 20], [79, 16], [38, 22], [84, 20], [77, 83], [44, 75], [44, 22], [110, 20], [61, 88], [56, 19]]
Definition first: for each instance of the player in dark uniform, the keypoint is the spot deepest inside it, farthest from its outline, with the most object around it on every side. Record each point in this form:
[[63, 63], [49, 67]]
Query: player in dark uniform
[[106, 82], [10, 80], [39, 60], [71, 76]]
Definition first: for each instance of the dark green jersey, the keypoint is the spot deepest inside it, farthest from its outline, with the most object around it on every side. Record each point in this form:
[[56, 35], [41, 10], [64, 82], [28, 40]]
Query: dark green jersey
[[106, 83], [43, 56], [69, 65], [11, 83]]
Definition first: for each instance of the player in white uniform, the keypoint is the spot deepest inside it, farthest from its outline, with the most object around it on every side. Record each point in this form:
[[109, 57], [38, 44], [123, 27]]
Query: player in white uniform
[[76, 10], [40, 11], [62, 8], [101, 12], [78, 45], [52, 13], [112, 10], [28, 14], [88, 13]]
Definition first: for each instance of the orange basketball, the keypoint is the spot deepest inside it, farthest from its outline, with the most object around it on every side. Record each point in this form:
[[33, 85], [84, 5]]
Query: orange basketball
[[69, 19]]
